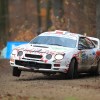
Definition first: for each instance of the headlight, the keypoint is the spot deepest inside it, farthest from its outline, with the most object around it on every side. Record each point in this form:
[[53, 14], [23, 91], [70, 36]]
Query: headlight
[[59, 56], [14, 52], [20, 53], [48, 56]]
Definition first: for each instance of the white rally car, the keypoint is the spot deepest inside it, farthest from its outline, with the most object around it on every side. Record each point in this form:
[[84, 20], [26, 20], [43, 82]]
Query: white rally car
[[57, 52]]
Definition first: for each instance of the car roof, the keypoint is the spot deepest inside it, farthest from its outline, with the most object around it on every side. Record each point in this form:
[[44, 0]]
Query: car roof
[[93, 38], [60, 33]]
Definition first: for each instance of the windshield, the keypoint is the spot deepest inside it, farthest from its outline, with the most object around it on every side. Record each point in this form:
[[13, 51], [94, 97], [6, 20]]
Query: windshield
[[51, 40]]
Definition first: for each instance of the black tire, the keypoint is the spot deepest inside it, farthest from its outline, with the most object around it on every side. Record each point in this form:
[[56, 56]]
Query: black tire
[[72, 71], [16, 72], [98, 68]]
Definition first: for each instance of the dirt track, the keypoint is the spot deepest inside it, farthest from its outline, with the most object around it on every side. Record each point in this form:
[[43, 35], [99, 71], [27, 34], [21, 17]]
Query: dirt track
[[35, 86]]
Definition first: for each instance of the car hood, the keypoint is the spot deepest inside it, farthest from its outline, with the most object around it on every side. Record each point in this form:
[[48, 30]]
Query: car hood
[[44, 48]]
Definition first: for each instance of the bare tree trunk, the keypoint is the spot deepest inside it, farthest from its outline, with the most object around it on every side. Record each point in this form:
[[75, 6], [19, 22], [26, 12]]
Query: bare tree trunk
[[3, 20], [98, 19]]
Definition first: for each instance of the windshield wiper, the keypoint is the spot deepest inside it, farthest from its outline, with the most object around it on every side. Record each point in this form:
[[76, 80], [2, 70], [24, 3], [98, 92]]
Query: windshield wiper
[[35, 43], [55, 44]]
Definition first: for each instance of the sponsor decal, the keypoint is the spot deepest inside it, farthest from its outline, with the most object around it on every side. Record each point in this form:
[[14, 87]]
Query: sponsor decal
[[78, 56], [84, 57], [37, 50], [44, 60], [93, 52]]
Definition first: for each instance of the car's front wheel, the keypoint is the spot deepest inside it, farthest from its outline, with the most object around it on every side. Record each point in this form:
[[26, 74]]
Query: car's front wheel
[[16, 72], [72, 71]]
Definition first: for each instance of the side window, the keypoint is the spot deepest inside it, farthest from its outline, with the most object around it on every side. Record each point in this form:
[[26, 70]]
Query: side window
[[83, 43], [90, 43]]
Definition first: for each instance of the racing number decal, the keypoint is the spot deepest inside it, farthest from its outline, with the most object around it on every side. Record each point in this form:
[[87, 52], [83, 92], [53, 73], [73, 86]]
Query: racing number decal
[[84, 57]]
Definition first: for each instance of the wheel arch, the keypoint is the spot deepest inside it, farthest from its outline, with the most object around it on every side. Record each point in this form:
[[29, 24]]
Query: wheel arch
[[76, 62], [72, 71]]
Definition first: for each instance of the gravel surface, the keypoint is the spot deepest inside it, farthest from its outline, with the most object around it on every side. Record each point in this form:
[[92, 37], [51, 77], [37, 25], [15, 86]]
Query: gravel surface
[[36, 86]]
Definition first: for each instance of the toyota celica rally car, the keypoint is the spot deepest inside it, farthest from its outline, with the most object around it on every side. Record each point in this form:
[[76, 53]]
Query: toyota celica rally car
[[57, 52]]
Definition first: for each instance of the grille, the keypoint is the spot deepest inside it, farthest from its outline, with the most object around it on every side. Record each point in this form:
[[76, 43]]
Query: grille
[[32, 64], [33, 56]]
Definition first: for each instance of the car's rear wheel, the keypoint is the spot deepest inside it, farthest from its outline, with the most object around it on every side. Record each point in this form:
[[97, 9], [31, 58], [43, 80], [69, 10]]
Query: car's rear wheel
[[16, 72], [72, 71], [98, 68]]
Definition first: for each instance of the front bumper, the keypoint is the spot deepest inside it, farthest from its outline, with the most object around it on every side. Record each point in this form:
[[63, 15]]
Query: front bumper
[[37, 66]]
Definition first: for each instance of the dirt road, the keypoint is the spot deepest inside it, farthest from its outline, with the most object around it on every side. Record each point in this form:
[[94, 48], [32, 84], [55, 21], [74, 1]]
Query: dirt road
[[35, 86]]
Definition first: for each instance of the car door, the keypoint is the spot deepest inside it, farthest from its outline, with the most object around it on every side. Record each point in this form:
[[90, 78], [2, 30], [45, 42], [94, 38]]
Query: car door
[[87, 53], [93, 49]]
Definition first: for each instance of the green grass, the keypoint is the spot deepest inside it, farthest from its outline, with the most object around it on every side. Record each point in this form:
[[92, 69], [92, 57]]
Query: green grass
[[71, 98]]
